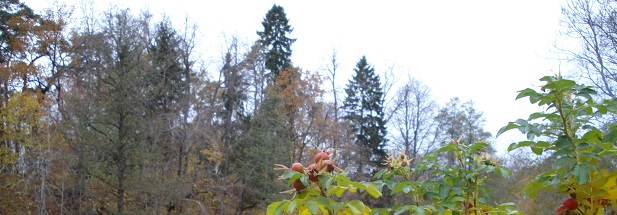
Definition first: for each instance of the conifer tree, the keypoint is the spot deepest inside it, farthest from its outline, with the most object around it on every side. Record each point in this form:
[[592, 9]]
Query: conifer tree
[[274, 38], [364, 110], [167, 80]]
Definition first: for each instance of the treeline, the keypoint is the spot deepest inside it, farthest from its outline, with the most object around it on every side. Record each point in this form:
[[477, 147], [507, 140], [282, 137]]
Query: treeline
[[114, 115]]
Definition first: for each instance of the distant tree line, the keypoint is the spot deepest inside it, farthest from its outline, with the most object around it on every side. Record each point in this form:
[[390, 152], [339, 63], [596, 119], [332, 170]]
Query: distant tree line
[[115, 115]]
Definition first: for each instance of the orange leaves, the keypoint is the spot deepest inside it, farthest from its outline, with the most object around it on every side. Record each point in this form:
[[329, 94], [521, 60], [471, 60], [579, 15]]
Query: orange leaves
[[17, 25], [300, 104], [298, 89]]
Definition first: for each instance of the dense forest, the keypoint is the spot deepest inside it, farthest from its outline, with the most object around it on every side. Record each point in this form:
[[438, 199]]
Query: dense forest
[[112, 113]]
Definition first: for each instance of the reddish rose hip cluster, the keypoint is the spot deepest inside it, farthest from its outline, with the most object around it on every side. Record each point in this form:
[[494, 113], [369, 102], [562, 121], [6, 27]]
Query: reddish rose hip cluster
[[298, 185], [571, 204], [567, 206], [322, 165]]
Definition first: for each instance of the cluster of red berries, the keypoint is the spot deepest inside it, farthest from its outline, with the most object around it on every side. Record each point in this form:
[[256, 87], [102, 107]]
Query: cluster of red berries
[[470, 206], [568, 205], [571, 204], [322, 164]]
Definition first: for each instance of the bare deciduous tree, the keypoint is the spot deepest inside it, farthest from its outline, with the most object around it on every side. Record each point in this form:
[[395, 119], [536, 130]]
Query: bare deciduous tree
[[413, 118], [594, 24]]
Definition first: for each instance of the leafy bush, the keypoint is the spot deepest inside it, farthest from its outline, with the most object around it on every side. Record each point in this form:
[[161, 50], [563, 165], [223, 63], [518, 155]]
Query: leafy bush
[[567, 130]]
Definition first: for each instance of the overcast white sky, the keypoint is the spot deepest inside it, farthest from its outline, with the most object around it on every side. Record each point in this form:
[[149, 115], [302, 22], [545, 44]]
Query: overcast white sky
[[484, 50]]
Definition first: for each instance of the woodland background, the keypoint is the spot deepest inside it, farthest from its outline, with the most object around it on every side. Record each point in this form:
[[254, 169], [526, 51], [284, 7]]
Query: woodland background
[[112, 113]]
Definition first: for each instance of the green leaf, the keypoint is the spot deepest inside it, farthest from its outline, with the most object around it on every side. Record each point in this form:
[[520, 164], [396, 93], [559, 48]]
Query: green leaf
[[447, 148], [526, 143], [537, 150], [508, 127], [444, 190], [486, 192], [531, 135], [605, 152], [601, 110], [548, 78], [323, 201], [542, 144], [403, 209], [304, 179], [342, 180], [312, 206], [547, 116], [514, 146], [380, 211], [292, 206], [430, 195], [291, 176], [592, 136], [399, 187], [379, 174], [335, 206], [533, 188], [272, 208], [326, 181], [503, 171], [611, 137], [564, 142], [564, 152], [430, 208], [419, 210], [356, 206], [559, 85], [566, 160], [426, 185], [581, 172], [525, 92], [336, 190], [478, 145], [534, 98], [457, 199], [372, 190], [407, 189], [390, 184], [522, 123], [590, 155]]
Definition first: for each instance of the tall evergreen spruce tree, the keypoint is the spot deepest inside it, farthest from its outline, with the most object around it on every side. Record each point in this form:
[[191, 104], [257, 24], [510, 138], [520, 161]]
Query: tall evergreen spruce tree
[[167, 80], [274, 39], [364, 110]]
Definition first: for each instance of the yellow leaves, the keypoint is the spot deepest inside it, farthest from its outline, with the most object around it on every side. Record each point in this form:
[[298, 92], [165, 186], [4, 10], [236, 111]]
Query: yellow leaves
[[7, 157], [611, 185], [611, 182], [214, 153], [22, 108], [22, 115], [612, 194], [601, 189]]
